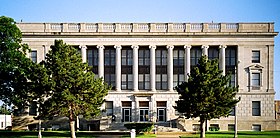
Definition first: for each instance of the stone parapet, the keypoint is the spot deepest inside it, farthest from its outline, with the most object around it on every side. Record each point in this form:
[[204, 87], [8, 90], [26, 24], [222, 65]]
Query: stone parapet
[[146, 27]]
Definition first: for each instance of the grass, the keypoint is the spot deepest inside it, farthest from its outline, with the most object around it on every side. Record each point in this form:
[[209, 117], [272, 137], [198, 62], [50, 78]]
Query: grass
[[86, 134], [242, 134]]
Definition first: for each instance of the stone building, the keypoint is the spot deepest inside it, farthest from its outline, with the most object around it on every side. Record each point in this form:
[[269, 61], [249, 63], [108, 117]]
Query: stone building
[[144, 61]]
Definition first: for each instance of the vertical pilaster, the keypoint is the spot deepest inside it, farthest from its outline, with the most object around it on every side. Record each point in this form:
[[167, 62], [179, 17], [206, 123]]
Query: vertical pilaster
[[170, 67], [101, 61], [118, 67], [84, 53], [222, 59], [153, 67], [187, 61], [135, 67], [205, 50]]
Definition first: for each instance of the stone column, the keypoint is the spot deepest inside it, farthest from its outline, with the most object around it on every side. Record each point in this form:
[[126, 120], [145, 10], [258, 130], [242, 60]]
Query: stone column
[[135, 67], [118, 67], [187, 61], [222, 59], [84, 53], [170, 67], [101, 61], [205, 50], [153, 67]]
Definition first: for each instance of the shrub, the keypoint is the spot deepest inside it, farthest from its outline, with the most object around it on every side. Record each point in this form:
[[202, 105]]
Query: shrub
[[214, 128], [140, 127]]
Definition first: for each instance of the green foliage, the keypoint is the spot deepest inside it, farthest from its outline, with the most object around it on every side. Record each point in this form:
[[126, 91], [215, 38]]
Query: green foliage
[[214, 128], [140, 127], [207, 93], [74, 89], [15, 67], [4, 110]]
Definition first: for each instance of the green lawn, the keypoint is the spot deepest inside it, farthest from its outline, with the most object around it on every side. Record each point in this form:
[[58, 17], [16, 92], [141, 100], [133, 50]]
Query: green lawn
[[242, 134], [81, 134]]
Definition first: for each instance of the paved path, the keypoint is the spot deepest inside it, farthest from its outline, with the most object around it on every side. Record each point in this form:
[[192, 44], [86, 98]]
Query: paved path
[[109, 136]]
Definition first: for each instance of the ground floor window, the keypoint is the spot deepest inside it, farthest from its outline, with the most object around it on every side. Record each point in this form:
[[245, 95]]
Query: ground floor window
[[144, 114], [161, 111], [231, 127], [256, 127], [196, 127], [161, 114], [126, 111], [126, 114]]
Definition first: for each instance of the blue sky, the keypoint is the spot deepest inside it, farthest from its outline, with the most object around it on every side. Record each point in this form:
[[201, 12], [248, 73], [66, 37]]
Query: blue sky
[[150, 11]]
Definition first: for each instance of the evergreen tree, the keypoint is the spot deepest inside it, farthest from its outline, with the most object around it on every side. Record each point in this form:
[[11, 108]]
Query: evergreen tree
[[207, 94], [74, 90]]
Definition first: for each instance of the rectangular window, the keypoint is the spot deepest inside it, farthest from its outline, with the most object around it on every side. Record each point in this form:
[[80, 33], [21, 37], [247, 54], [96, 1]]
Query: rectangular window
[[255, 56], [109, 108], [33, 56], [213, 52], [144, 111], [256, 127], [92, 58], [178, 66], [195, 55], [256, 108], [126, 111], [127, 78], [161, 111], [109, 65], [256, 79], [144, 68], [231, 63], [231, 127], [161, 68], [196, 127]]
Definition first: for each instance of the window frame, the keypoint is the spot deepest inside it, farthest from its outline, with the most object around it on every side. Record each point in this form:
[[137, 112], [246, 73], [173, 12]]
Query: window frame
[[161, 68], [144, 68], [256, 111], [33, 57], [256, 58]]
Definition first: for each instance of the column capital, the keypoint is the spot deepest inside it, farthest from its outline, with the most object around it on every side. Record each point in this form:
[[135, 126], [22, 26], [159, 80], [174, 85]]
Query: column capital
[[187, 47], [118, 47], [152, 47], [170, 47], [222, 46], [100, 47], [135, 47], [83, 47], [205, 47]]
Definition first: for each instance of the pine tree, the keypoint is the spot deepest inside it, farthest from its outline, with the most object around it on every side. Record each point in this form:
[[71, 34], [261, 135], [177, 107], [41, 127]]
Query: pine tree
[[75, 91], [206, 94]]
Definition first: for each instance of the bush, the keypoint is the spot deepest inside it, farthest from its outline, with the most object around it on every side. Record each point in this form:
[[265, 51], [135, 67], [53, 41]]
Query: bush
[[140, 127], [214, 128]]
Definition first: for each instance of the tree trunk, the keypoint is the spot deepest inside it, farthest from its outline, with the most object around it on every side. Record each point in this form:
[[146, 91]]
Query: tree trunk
[[72, 128], [72, 123], [202, 128]]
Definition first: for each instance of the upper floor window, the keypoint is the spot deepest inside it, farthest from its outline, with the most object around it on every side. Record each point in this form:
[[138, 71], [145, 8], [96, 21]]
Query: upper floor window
[[144, 68], [255, 56], [161, 68], [178, 66], [213, 52], [109, 65], [256, 79], [33, 56], [127, 78], [195, 55], [92, 58]]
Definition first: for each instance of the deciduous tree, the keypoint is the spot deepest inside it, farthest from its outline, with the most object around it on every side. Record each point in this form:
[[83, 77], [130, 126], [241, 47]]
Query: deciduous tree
[[206, 94], [15, 67]]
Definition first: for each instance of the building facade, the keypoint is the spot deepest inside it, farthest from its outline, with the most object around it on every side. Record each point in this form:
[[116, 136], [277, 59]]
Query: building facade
[[145, 61]]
